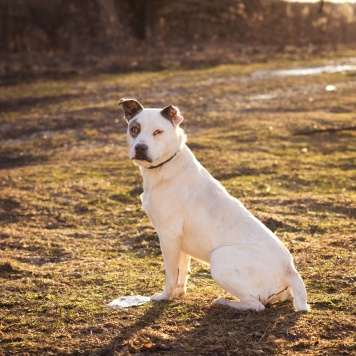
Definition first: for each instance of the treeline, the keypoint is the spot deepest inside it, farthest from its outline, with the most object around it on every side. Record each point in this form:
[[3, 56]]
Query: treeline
[[108, 25]]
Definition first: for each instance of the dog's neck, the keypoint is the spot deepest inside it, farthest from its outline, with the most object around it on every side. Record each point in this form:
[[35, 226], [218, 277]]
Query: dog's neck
[[164, 167], [163, 163], [165, 170], [165, 160]]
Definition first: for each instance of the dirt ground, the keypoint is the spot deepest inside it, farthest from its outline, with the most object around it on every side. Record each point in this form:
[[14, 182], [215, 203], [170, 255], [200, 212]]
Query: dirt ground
[[73, 236]]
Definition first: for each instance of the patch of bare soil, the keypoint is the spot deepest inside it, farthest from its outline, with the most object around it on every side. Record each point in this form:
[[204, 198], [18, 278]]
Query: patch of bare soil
[[73, 236]]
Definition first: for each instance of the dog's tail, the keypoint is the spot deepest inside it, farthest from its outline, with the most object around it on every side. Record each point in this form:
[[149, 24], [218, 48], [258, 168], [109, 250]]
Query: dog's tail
[[297, 286]]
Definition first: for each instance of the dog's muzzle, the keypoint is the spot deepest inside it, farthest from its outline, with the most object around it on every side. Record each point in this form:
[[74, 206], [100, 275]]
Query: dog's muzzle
[[141, 152]]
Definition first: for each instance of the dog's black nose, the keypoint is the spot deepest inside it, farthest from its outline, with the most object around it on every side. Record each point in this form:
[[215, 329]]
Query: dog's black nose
[[141, 148], [141, 151]]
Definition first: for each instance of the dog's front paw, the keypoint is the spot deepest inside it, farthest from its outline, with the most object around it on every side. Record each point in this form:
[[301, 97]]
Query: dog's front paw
[[159, 296], [180, 292], [170, 294]]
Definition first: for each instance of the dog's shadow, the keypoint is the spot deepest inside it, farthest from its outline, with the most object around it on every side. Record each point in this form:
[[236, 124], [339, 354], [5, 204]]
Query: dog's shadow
[[182, 327]]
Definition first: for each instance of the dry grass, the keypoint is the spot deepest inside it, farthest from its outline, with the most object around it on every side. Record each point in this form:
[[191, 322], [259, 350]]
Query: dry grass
[[73, 236]]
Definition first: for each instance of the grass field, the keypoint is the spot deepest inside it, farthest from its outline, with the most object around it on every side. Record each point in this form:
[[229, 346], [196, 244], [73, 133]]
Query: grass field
[[73, 236]]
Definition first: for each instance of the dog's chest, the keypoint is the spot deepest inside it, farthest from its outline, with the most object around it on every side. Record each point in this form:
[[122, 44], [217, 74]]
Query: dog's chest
[[160, 202], [145, 200], [150, 204]]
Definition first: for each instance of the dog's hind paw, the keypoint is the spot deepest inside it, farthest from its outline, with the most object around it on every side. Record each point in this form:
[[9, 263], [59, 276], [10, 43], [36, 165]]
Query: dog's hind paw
[[219, 301], [303, 308], [246, 305]]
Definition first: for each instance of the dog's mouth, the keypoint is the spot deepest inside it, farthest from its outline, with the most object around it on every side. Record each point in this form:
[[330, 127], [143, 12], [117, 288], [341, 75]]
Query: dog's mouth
[[142, 158]]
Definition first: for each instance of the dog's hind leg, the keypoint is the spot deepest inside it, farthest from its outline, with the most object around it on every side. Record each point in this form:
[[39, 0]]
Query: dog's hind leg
[[231, 276]]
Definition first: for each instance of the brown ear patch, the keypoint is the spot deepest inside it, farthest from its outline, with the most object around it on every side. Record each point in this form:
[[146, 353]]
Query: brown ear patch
[[169, 112], [131, 108], [172, 114]]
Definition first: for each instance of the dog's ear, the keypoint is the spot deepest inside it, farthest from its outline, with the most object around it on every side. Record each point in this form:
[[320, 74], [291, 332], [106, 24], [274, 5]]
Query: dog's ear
[[172, 114], [131, 108]]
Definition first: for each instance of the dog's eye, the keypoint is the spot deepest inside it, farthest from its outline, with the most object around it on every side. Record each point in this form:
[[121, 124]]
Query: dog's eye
[[134, 129], [157, 132]]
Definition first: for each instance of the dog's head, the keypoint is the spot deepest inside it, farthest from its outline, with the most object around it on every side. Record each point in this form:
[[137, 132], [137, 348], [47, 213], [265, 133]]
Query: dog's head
[[154, 135]]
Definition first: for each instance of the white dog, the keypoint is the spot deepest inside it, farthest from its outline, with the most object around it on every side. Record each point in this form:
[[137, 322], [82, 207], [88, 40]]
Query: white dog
[[196, 217]]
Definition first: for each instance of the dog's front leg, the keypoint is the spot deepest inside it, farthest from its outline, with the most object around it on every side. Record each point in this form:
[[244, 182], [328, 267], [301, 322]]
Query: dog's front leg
[[184, 272], [172, 256]]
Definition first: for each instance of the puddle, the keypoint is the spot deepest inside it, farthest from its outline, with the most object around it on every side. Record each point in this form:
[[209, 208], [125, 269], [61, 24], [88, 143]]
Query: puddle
[[305, 71], [269, 96]]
